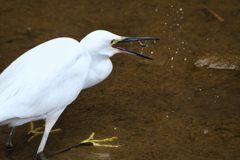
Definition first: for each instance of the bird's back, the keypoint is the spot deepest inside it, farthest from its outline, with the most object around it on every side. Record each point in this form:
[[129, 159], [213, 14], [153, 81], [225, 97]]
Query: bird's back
[[43, 80]]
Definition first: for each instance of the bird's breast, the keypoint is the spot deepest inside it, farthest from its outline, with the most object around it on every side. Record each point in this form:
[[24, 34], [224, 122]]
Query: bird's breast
[[99, 70]]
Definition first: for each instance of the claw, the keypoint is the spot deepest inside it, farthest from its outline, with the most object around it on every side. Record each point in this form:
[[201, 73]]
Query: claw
[[36, 131], [96, 142]]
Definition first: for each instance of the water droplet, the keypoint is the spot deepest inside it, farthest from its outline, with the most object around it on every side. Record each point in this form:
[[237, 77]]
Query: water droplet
[[165, 23], [205, 131], [171, 66], [169, 48], [143, 44], [167, 116], [167, 14], [154, 41], [172, 58], [180, 9], [177, 24], [207, 39], [151, 52], [185, 59], [156, 9], [182, 42], [183, 48], [176, 51], [177, 48]]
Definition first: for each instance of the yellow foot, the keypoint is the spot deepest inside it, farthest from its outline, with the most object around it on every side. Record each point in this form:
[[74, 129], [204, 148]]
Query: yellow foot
[[36, 131], [94, 142]]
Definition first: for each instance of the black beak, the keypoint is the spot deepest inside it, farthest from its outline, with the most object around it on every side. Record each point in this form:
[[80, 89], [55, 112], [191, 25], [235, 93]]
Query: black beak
[[131, 39]]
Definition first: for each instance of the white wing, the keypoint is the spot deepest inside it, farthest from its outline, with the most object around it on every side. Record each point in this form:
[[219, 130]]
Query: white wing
[[43, 80]]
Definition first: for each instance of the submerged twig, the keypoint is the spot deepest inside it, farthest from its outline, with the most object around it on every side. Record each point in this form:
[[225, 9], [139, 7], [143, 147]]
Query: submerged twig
[[215, 14]]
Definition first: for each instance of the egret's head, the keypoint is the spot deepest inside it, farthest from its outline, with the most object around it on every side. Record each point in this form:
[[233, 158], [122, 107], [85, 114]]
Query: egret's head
[[103, 43]]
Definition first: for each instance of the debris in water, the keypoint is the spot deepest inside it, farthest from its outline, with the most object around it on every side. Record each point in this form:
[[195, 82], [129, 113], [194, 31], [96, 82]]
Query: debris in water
[[215, 14], [219, 62]]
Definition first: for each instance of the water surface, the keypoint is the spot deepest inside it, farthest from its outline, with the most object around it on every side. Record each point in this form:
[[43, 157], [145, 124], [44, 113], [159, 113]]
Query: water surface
[[162, 109]]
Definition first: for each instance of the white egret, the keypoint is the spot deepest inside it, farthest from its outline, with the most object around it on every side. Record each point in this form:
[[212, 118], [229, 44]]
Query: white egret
[[42, 82]]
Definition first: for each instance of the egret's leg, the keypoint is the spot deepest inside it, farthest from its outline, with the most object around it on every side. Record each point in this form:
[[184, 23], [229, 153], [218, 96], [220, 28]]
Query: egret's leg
[[9, 145], [96, 142], [88, 142], [50, 121]]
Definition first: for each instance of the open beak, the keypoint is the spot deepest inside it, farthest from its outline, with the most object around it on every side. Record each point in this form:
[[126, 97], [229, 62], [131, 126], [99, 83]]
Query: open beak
[[131, 39]]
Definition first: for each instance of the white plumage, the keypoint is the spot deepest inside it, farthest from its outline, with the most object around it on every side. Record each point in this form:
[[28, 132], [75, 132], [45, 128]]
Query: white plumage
[[44, 80]]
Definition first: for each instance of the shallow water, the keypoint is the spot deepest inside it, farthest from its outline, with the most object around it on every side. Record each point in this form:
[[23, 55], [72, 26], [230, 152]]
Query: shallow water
[[162, 109]]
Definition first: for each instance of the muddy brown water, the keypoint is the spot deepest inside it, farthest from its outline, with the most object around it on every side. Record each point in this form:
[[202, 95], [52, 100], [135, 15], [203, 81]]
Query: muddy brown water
[[162, 109]]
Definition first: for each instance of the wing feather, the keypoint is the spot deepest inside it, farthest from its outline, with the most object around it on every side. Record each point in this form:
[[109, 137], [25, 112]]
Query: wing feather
[[44, 79]]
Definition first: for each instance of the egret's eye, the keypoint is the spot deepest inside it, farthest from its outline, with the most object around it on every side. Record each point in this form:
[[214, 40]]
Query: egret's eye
[[112, 41]]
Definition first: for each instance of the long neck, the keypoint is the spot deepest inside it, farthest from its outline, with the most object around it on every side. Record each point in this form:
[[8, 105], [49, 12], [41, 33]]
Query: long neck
[[100, 69]]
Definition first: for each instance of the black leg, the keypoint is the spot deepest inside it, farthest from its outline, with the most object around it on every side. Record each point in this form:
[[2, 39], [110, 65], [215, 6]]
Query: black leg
[[9, 145], [40, 156]]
